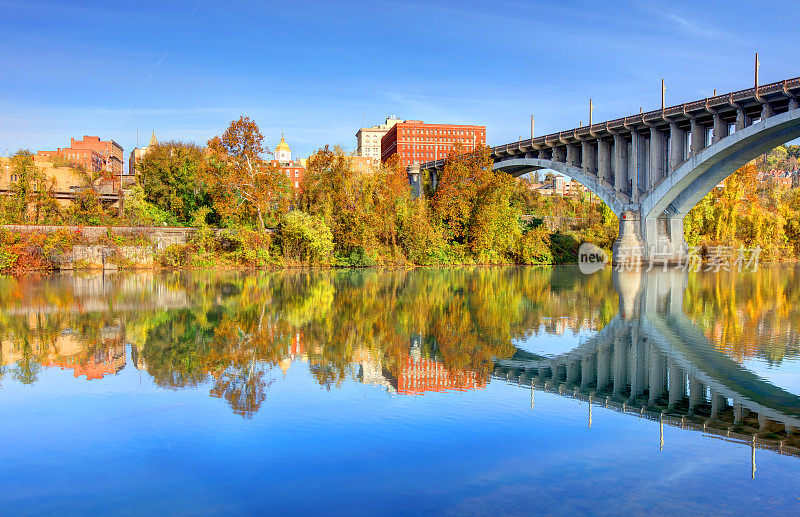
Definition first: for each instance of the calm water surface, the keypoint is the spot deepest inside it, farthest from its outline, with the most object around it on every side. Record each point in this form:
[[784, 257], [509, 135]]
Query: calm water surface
[[455, 391]]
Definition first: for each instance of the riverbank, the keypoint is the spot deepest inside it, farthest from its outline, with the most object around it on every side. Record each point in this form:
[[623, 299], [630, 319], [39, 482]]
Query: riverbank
[[37, 248]]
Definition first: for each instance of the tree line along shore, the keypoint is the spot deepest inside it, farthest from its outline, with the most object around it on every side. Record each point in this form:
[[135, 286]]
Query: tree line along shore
[[244, 213]]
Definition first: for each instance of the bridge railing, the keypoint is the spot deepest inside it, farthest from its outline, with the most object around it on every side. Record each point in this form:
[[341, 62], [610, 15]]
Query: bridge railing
[[717, 100]]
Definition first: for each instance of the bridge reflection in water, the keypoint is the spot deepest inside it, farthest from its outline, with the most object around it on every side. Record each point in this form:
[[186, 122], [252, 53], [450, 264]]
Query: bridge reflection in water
[[652, 362]]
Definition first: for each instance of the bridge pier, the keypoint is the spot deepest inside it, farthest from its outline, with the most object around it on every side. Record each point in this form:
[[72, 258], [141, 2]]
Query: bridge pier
[[657, 240]]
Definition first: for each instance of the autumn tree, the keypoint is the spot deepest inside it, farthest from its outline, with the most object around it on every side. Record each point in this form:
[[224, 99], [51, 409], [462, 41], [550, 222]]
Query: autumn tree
[[32, 192], [365, 210], [243, 183], [458, 188], [171, 175]]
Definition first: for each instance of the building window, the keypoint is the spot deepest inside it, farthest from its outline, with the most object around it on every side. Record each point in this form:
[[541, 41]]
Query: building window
[[296, 184]]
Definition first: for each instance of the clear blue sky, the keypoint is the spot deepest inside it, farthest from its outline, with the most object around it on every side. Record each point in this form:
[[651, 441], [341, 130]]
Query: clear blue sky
[[316, 70]]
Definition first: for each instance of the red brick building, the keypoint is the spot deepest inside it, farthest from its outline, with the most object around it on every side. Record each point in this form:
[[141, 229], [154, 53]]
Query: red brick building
[[283, 160], [91, 160], [416, 142], [93, 153], [108, 149]]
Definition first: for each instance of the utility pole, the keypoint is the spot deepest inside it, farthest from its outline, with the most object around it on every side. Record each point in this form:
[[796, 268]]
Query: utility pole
[[531, 127], [591, 110], [663, 94]]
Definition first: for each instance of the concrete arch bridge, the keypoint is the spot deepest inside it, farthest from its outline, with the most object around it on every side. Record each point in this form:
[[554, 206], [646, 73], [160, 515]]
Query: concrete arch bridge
[[652, 168]]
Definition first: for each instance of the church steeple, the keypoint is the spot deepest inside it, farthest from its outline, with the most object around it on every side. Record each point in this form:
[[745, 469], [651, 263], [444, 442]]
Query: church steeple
[[153, 140]]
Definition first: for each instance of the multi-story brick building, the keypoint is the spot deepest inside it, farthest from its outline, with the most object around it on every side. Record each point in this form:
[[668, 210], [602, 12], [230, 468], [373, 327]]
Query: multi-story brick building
[[89, 159], [416, 142], [109, 149], [92, 153], [369, 138]]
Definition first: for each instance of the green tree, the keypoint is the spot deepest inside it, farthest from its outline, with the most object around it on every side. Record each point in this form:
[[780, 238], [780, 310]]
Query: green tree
[[171, 175]]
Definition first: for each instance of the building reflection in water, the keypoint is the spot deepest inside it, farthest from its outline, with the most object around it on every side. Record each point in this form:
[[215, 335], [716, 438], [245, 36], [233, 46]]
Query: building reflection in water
[[421, 332]]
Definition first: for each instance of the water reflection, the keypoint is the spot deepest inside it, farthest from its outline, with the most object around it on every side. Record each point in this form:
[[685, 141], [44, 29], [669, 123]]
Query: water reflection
[[653, 361], [663, 345]]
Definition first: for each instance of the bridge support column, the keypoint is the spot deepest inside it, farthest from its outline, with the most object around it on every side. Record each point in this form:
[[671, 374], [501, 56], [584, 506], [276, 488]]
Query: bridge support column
[[663, 240], [698, 137], [604, 172], [629, 248], [741, 119], [794, 103], [589, 157], [413, 179], [636, 163], [657, 240], [621, 165], [720, 128], [677, 146], [766, 111], [657, 167], [572, 155]]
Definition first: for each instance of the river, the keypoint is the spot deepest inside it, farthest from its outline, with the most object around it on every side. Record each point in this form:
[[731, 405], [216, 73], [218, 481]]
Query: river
[[466, 391]]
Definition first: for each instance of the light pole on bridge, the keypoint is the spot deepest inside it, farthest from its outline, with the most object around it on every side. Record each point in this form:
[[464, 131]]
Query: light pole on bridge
[[531, 127]]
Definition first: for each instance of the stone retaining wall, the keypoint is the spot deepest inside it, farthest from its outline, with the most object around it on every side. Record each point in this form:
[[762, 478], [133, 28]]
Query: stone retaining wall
[[95, 256], [160, 236]]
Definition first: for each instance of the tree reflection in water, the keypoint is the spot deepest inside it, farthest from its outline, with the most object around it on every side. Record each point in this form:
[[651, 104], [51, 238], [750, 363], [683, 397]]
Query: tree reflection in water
[[410, 330]]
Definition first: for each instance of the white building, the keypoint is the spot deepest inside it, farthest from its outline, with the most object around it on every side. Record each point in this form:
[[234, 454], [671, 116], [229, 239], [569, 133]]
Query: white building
[[369, 138]]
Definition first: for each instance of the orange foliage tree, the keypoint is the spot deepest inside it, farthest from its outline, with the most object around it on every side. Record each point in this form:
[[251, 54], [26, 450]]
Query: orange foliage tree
[[243, 182]]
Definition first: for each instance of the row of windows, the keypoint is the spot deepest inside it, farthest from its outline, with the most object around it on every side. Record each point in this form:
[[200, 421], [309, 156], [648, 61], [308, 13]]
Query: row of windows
[[444, 147], [443, 140], [450, 132]]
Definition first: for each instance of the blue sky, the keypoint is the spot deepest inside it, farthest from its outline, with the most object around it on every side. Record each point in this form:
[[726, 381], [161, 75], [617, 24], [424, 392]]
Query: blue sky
[[317, 70]]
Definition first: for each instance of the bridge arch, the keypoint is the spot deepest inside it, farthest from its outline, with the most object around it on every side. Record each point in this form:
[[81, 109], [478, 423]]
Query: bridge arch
[[519, 166], [688, 184]]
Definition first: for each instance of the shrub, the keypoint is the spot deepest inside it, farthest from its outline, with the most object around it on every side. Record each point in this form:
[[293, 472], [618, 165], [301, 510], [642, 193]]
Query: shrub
[[533, 247], [306, 238], [174, 256]]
